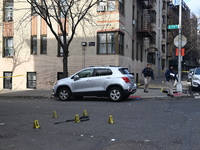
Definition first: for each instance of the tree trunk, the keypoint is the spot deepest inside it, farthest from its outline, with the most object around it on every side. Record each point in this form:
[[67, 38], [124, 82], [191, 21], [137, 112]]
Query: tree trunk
[[65, 62]]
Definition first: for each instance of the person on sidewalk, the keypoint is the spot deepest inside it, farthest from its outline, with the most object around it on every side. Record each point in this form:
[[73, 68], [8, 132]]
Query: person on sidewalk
[[148, 76], [170, 77]]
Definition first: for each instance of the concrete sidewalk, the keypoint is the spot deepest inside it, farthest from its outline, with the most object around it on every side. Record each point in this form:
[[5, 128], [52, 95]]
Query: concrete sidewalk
[[155, 91]]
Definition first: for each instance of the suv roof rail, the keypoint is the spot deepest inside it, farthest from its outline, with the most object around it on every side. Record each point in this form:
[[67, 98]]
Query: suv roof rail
[[105, 66]]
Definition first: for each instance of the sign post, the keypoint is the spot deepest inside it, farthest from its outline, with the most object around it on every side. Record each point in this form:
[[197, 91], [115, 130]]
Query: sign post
[[179, 86]]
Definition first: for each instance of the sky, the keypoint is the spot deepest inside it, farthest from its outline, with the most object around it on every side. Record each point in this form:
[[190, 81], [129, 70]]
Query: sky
[[194, 6]]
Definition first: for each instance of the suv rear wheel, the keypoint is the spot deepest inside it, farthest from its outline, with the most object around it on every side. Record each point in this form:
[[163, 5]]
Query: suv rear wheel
[[64, 94], [115, 94]]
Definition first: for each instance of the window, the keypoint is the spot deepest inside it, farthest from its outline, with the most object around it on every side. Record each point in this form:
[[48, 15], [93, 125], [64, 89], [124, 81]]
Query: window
[[151, 58], [43, 44], [110, 5], [163, 48], [137, 51], [141, 53], [7, 80], [8, 47], [8, 10], [60, 49], [103, 72], [121, 6], [153, 16], [163, 34], [121, 44], [34, 45], [110, 43], [63, 9], [133, 56], [31, 80], [34, 8], [85, 73]]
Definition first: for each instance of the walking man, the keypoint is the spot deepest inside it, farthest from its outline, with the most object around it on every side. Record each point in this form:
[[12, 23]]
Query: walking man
[[170, 77], [148, 76]]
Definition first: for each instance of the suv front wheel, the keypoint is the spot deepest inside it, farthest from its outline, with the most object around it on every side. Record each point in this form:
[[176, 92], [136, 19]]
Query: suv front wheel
[[64, 94], [115, 94]]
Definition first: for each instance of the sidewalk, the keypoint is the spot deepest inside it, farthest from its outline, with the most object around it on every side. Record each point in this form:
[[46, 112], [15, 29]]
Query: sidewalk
[[156, 89]]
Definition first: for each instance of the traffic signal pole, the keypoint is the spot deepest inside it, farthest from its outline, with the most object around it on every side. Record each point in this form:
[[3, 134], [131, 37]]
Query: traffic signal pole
[[179, 86]]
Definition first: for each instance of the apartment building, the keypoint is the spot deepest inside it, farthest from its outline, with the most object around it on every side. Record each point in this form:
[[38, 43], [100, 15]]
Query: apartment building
[[189, 30], [123, 33]]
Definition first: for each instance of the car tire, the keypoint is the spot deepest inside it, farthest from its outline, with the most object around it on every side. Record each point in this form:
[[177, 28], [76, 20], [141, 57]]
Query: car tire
[[115, 94], [64, 94]]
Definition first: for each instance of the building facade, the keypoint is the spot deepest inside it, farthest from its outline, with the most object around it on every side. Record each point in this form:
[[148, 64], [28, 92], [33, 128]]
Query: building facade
[[128, 33]]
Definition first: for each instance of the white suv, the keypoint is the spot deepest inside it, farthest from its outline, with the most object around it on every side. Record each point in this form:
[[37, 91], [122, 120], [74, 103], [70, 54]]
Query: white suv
[[114, 82], [195, 79]]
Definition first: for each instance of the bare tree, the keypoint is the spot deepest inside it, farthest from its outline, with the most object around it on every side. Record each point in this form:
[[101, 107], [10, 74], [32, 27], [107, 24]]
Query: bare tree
[[67, 14]]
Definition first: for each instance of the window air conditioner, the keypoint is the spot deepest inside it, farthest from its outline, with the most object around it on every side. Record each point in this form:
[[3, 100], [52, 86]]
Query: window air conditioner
[[8, 18], [133, 22], [100, 8]]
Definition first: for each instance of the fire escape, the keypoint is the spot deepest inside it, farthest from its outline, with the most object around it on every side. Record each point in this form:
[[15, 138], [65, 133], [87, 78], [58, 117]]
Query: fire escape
[[145, 29]]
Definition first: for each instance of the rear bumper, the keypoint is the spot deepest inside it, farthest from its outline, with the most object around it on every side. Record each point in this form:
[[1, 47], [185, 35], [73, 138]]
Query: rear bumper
[[132, 88]]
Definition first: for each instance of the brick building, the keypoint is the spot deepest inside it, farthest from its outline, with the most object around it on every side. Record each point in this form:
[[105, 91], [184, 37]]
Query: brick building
[[126, 33]]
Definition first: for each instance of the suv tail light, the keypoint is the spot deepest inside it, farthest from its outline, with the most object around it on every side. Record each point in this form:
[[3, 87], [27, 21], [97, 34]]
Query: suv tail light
[[126, 79]]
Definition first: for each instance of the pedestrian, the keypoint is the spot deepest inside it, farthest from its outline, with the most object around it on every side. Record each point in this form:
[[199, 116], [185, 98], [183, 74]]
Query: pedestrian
[[170, 77], [148, 76]]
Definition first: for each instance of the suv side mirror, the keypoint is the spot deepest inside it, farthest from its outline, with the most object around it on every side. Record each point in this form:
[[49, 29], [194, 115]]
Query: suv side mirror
[[76, 77]]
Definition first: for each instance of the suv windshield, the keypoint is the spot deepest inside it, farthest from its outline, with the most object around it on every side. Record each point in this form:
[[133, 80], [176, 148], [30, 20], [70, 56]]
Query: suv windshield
[[124, 71], [197, 71]]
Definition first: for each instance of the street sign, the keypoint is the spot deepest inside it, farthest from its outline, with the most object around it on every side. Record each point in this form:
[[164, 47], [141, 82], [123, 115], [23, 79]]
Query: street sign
[[183, 39], [176, 26]]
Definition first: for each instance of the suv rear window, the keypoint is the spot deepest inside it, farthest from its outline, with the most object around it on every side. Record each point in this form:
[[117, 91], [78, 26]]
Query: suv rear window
[[124, 71]]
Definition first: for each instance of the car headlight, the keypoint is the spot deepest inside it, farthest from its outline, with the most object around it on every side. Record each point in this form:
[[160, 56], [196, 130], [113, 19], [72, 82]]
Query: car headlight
[[195, 78]]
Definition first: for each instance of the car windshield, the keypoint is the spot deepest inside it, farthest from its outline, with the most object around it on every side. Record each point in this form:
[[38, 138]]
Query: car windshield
[[124, 71], [197, 71]]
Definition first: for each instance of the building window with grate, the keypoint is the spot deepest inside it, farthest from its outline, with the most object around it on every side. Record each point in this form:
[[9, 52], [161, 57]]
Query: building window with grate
[[43, 44], [8, 47], [31, 80]]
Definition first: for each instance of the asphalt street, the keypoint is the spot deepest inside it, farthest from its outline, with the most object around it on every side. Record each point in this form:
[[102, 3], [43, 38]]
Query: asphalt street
[[138, 124]]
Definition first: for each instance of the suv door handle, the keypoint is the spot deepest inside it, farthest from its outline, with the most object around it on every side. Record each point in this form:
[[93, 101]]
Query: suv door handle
[[108, 78]]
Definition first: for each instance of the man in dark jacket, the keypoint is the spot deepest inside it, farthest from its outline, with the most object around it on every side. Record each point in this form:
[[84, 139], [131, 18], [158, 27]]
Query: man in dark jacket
[[170, 77], [148, 75]]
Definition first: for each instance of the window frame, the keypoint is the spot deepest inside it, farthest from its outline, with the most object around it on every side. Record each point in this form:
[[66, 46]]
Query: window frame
[[7, 79], [34, 45], [113, 44], [43, 48], [8, 10], [11, 48], [60, 49], [31, 82]]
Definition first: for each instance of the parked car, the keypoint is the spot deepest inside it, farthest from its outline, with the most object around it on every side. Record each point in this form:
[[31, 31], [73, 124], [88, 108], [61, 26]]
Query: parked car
[[116, 83], [190, 74], [195, 78]]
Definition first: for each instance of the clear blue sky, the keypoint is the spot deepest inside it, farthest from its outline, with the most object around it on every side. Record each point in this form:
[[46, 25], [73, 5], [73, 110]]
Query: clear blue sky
[[194, 6]]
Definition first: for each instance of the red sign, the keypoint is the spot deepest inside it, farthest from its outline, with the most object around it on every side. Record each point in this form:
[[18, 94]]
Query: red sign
[[182, 51]]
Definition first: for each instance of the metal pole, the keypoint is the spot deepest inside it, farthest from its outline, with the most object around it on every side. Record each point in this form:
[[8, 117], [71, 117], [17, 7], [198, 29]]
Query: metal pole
[[179, 84]]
